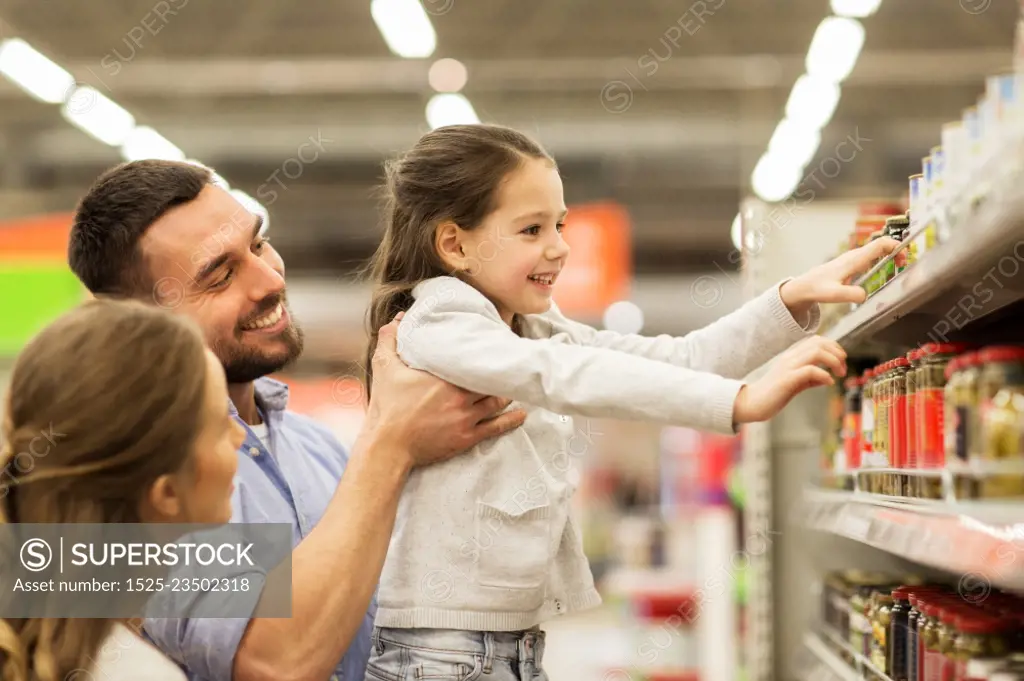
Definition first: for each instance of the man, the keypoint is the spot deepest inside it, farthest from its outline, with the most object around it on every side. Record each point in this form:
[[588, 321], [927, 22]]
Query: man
[[164, 232]]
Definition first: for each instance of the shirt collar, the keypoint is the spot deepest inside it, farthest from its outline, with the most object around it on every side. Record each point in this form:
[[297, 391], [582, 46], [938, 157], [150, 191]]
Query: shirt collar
[[271, 395]]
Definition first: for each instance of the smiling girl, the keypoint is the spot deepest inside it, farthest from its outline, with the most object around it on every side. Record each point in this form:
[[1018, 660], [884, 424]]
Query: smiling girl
[[484, 548]]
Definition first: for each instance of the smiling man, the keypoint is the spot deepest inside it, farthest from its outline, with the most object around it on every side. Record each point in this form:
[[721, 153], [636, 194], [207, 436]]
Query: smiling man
[[164, 233]]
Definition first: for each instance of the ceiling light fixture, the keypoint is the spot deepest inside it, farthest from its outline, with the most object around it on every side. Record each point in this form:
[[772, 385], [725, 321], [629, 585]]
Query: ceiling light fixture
[[33, 72], [450, 109], [405, 27]]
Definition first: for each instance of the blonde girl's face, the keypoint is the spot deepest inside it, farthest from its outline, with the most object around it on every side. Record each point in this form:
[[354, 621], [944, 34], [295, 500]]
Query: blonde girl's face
[[515, 256]]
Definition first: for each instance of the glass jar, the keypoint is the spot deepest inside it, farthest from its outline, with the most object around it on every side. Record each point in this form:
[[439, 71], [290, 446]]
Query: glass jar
[[897, 638], [898, 426], [980, 637], [860, 628], [967, 442], [928, 641], [919, 597], [852, 423], [867, 425], [880, 624], [881, 457], [915, 642], [895, 228], [1000, 470], [930, 399], [947, 633], [951, 398], [914, 358]]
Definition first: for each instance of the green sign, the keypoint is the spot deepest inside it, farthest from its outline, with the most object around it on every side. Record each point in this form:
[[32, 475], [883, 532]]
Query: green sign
[[31, 296]]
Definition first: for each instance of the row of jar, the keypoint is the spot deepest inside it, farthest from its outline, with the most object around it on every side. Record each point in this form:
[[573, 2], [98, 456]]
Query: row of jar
[[911, 631], [943, 407]]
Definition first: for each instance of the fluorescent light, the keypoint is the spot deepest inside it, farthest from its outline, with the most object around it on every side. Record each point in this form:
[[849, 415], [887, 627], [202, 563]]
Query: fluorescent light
[[736, 232], [812, 101], [33, 72], [835, 47], [624, 317], [774, 178], [406, 28], [795, 143], [98, 116], [450, 109], [855, 8], [144, 142]]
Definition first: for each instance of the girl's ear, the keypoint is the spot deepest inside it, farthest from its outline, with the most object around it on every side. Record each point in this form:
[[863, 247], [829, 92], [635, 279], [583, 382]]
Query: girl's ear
[[448, 242], [163, 500]]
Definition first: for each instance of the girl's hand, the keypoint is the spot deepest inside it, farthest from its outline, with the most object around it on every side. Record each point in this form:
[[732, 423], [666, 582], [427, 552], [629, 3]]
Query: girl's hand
[[794, 371], [829, 283]]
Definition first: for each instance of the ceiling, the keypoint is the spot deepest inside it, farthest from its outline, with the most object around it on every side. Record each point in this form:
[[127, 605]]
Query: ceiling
[[663, 105]]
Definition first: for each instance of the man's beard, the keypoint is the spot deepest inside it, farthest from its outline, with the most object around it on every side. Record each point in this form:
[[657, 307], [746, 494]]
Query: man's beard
[[245, 364]]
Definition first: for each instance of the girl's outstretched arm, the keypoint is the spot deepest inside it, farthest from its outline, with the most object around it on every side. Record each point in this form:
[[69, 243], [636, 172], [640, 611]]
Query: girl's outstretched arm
[[742, 341], [732, 346], [455, 333]]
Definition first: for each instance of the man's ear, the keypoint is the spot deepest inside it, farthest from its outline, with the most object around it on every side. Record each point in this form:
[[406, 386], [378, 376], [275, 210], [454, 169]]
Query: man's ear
[[448, 242]]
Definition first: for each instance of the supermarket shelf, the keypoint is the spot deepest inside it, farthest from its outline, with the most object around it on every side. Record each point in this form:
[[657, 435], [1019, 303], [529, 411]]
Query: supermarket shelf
[[982, 541], [832, 666], [929, 300], [829, 666]]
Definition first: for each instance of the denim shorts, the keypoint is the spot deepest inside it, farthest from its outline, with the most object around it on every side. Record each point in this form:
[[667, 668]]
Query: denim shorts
[[452, 655]]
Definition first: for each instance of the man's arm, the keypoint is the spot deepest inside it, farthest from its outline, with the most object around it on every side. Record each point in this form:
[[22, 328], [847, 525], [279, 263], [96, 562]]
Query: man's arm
[[413, 419], [335, 570]]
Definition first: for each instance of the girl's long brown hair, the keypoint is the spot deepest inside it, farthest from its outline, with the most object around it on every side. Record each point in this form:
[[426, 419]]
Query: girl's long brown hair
[[451, 174], [100, 404]]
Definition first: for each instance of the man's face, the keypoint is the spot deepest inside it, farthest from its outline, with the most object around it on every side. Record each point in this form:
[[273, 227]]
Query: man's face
[[210, 262]]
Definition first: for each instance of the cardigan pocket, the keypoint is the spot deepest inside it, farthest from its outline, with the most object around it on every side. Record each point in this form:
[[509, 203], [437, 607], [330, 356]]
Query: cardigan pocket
[[513, 549]]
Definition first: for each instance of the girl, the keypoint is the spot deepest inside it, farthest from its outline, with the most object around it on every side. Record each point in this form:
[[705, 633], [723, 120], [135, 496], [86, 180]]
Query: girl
[[94, 433], [484, 548]]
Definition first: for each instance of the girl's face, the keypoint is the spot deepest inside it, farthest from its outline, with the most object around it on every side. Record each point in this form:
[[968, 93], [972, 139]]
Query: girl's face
[[515, 256], [201, 491]]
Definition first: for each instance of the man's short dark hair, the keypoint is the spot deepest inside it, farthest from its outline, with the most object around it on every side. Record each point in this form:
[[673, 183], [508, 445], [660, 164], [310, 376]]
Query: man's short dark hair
[[124, 202]]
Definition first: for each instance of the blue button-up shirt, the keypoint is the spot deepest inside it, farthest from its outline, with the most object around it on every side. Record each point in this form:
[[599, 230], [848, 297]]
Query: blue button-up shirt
[[293, 486]]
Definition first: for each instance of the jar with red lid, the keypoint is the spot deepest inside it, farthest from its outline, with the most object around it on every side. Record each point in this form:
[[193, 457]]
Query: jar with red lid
[[867, 422], [879, 458], [897, 639], [949, 617], [930, 400], [961, 417], [1000, 469], [914, 357], [979, 637], [928, 641], [852, 423], [898, 426]]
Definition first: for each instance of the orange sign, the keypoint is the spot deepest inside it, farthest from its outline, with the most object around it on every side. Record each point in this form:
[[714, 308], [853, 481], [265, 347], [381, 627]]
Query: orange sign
[[38, 238], [600, 264]]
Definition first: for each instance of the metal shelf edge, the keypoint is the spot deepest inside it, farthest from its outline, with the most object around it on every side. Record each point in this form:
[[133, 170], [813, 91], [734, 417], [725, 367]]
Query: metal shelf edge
[[997, 226]]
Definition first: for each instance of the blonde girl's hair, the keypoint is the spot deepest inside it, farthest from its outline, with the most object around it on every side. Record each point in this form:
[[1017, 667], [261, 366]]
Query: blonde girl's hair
[[100, 404], [452, 174]]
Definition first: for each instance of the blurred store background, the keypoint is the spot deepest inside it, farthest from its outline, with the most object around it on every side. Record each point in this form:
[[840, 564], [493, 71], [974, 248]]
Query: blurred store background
[[665, 116]]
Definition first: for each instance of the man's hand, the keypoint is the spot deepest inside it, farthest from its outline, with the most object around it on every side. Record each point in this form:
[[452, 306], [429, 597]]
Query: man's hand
[[419, 413], [830, 283], [794, 371]]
